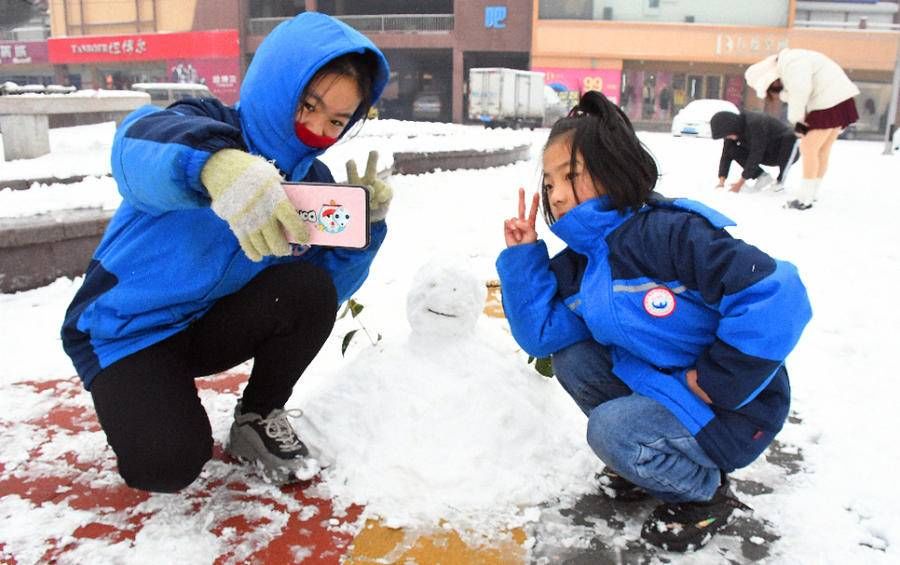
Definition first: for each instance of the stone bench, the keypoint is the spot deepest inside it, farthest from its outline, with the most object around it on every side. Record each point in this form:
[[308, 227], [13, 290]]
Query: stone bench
[[25, 118]]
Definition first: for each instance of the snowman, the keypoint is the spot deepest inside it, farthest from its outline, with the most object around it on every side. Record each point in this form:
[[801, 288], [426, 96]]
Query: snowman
[[449, 423]]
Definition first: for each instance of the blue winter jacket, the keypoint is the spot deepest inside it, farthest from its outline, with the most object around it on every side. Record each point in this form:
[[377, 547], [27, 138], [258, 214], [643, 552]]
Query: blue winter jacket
[[166, 258], [667, 290]]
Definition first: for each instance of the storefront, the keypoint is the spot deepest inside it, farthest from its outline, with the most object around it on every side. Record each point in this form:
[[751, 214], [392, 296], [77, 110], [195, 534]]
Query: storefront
[[570, 84], [665, 66], [118, 61], [656, 91], [25, 62]]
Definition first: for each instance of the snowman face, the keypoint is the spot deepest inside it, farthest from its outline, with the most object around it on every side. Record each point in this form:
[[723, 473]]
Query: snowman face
[[444, 300]]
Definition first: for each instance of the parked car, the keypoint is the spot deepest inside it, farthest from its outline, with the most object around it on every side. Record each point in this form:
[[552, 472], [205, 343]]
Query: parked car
[[427, 106], [693, 119], [165, 93]]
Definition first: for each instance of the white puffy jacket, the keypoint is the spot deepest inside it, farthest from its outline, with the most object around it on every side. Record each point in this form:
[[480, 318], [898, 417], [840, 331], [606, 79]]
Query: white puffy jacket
[[811, 82]]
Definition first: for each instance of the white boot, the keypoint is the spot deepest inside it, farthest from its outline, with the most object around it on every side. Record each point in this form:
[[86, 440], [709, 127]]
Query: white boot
[[803, 198]]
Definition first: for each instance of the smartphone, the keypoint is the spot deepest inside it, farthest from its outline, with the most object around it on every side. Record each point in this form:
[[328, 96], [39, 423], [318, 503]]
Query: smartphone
[[337, 214]]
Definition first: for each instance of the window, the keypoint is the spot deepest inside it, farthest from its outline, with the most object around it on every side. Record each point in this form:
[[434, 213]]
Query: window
[[566, 9]]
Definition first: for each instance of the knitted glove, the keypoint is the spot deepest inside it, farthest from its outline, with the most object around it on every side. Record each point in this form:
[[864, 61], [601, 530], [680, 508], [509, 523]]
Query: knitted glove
[[380, 192], [246, 192]]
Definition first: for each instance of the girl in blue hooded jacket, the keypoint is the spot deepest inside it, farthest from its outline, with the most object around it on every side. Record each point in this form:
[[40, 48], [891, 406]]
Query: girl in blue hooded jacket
[[669, 334], [195, 273]]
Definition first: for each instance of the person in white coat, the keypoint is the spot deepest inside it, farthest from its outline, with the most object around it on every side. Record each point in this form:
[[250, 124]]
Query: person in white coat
[[820, 103]]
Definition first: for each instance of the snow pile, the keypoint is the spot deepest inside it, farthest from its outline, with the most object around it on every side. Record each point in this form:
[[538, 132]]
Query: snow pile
[[450, 423]]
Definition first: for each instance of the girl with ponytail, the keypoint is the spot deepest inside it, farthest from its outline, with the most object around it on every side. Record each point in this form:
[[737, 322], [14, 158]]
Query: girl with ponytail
[[668, 333]]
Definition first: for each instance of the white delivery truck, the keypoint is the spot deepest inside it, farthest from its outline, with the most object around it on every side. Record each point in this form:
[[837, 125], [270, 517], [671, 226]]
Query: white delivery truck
[[506, 97]]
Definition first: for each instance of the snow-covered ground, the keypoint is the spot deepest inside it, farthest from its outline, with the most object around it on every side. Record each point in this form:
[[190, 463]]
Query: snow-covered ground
[[477, 395]]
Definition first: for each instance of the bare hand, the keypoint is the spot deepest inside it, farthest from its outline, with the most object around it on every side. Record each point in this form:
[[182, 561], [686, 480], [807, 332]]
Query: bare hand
[[736, 186], [691, 377], [520, 229]]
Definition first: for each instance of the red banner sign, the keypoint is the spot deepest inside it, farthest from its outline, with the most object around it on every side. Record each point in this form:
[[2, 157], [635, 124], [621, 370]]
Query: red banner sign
[[144, 47]]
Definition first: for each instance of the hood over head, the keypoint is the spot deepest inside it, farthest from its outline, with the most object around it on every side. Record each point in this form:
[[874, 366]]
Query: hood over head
[[726, 123], [761, 75], [282, 67]]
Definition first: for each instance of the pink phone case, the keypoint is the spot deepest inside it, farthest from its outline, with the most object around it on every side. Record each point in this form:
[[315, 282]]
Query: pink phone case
[[337, 214]]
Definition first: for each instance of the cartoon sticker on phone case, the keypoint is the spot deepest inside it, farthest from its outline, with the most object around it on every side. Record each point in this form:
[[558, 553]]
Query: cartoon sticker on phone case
[[308, 216], [333, 218]]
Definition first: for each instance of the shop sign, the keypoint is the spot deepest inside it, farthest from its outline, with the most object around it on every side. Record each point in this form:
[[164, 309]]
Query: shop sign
[[495, 17], [23, 52], [743, 44], [607, 81], [143, 46]]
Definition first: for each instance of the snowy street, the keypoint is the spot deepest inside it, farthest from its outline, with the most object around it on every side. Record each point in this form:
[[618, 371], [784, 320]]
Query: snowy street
[[462, 434]]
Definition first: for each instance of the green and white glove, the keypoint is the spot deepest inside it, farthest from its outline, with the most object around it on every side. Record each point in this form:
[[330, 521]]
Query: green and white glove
[[380, 192], [246, 192]]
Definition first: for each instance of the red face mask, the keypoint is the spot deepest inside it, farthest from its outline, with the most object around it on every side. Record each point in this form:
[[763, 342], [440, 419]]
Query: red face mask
[[311, 139]]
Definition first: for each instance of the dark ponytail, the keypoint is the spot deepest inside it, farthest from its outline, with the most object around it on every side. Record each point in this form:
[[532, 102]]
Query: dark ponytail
[[613, 155]]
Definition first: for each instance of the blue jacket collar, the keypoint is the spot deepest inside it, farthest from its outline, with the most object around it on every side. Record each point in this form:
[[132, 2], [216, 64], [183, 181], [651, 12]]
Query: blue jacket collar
[[585, 225], [282, 66]]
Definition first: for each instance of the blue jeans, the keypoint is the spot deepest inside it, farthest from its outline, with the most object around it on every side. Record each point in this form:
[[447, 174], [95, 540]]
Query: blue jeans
[[635, 436]]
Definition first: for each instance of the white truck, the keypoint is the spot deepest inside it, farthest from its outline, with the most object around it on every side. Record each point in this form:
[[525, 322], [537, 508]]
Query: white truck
[[506, 97]]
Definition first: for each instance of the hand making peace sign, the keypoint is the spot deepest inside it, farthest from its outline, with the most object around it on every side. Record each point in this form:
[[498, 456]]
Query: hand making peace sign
[[380, 192], [521, 230]]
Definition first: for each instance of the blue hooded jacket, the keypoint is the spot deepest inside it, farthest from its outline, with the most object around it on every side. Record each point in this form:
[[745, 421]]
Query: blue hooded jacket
[[667, 290], [166, 257]]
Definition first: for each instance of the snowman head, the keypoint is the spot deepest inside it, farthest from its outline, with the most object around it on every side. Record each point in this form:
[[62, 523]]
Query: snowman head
[[445, 299]]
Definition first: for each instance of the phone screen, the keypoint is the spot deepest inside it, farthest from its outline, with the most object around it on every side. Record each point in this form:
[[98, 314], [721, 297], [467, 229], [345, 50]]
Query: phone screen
[[337, 214]]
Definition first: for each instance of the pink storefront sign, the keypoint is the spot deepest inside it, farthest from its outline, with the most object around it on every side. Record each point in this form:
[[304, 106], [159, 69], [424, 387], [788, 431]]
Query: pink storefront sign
[[607, 81], [23, 52]]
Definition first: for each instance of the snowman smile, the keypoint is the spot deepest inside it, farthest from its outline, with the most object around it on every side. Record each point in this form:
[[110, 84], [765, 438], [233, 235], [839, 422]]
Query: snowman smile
[[435, 312]]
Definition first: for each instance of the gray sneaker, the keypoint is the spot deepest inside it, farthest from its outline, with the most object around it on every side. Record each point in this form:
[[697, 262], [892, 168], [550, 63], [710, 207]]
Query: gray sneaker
[[763, 181], [271, 445]]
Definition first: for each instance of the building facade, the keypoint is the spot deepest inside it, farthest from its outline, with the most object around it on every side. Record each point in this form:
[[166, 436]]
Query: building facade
[[654, 57], [431, 44], [651, 56]]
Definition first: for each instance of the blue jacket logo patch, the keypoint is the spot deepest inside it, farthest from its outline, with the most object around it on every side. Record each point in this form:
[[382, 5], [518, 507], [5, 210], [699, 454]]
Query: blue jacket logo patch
[[659, 302]]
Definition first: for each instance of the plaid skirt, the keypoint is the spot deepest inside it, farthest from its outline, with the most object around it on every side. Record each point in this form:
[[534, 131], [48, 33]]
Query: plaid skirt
[[838, 116]]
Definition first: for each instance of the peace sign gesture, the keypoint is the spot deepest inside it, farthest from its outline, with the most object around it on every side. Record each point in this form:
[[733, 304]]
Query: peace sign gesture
[[380, 192], [520, 229]]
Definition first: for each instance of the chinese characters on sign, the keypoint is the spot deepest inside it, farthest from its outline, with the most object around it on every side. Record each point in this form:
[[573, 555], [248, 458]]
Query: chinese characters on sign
[[739, 44], [16, 53], [116, 47], [228, 81], [495, 17]]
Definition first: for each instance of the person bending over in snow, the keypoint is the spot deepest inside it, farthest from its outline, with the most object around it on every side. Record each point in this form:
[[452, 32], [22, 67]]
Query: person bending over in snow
[[820, 103], [668, 333], [753, 139], [195, 275]]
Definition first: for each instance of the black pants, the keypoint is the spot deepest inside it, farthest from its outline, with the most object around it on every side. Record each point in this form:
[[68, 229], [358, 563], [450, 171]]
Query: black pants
[[739, 153], [147, 403]]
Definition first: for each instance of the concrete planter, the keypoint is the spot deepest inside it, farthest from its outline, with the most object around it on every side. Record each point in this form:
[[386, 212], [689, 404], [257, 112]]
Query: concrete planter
[[418, 163], [36, 250]]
